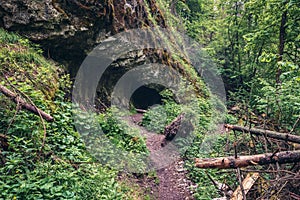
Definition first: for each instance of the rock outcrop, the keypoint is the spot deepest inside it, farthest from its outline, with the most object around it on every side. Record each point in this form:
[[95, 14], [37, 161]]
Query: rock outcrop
[[68, 29]]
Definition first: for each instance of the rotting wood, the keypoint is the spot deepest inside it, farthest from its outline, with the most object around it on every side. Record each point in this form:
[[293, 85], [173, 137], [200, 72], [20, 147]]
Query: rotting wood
[[170, 131], [267, 133], [244, 161], [14, 97], [248, 182]]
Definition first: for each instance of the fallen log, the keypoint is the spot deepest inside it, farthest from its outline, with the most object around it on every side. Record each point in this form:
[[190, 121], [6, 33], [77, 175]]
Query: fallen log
[[244, 161], [15, 98], [271, 134], [171, 130]]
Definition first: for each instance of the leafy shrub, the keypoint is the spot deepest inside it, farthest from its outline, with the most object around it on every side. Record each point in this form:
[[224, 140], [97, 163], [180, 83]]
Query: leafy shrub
[[280, 102], [156, 118], [62, 168], [109, 139]]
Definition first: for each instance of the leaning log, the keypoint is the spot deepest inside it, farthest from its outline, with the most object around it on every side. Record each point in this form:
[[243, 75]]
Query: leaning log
[[171, 130], [244, 161], [271, 134], [14, 97]]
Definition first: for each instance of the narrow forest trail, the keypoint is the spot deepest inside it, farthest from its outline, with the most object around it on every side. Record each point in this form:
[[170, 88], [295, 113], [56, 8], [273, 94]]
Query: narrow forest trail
[[172, 181]]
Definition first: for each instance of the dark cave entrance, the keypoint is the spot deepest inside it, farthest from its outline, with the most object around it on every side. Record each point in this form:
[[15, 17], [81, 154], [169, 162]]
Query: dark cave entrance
[[145, 97]]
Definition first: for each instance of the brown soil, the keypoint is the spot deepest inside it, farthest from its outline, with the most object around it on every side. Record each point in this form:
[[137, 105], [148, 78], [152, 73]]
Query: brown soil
[[171, 182]]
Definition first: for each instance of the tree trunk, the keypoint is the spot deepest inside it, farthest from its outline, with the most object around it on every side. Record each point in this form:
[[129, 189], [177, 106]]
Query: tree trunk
[[172, 129], [271, 134], [282, 35], [179, 127], [14, 97], [244, 161]]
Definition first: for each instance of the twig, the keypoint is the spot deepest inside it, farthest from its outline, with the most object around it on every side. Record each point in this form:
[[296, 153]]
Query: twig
[[140, 110], [241, 183], [30, 107], [214, 183], [282, 187], [14, 117], [294, 196], [297, 121], [269, 171]]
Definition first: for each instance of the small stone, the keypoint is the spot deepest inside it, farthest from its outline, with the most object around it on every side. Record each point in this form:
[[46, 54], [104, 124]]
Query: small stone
[[180, 170]]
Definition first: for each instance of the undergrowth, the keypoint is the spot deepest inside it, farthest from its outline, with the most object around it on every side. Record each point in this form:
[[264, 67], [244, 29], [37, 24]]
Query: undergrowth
[[157, 117], [51, 163]]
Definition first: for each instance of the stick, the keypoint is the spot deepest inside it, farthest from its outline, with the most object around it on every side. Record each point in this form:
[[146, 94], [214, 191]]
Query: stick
[[140, 110], [241, 186], [267, 133], [297, 121], [244, 161], [248, 182], [14, 97]]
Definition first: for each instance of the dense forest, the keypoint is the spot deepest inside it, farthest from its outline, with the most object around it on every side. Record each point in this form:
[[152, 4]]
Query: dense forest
[[150, 99]]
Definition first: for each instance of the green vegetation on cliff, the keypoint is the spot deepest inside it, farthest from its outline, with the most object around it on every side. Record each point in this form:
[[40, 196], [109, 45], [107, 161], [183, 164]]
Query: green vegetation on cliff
[[41, 160]]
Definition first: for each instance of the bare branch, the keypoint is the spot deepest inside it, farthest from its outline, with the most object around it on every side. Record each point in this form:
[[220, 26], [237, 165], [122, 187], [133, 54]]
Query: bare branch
[[14, 97], [267, 133], [244, 161]]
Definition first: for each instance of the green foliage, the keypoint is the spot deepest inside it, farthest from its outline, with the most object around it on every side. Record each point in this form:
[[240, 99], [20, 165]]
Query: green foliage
[[120, 133], [243, 38], [58, 181], [62, 168], [280, 102], [110, 140], [159, 116]]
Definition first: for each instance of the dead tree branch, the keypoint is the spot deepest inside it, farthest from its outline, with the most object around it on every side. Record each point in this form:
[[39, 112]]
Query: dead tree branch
[[14, 97], [267, 133], [244, 161]]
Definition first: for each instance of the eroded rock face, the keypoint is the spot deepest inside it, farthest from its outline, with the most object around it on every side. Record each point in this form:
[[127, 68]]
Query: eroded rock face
[[69, 29]]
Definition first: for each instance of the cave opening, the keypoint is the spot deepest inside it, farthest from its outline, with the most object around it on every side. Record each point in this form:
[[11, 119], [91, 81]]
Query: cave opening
[[145, 97]]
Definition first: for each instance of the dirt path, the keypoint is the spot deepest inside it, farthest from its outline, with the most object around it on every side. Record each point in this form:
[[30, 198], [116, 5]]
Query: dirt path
[[173, 184]]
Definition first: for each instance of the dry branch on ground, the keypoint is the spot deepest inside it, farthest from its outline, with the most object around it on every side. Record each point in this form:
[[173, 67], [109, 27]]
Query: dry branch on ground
[[244, 161], [267, 133], [15, 98]]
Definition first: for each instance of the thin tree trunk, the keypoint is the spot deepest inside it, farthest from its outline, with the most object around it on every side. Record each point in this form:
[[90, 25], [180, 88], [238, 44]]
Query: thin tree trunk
[[244, 161], [282, 37]]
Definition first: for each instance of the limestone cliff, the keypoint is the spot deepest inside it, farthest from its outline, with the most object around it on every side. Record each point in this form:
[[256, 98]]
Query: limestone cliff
[[68, 29]]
